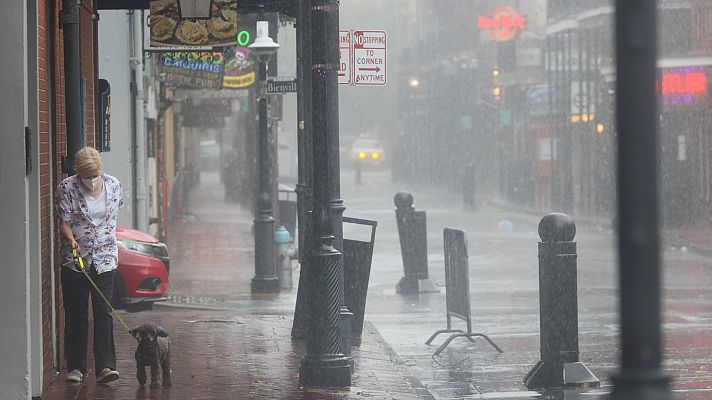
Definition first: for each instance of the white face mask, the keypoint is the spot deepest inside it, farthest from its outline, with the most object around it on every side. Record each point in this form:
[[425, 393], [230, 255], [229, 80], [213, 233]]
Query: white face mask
[[92, 184]]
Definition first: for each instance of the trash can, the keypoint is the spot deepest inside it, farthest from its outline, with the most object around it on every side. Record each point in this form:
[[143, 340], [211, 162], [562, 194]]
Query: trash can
[[357, 257], [287, 198]]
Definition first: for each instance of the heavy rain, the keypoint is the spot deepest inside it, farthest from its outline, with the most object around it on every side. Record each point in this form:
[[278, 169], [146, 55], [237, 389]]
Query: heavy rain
[[468, 200]]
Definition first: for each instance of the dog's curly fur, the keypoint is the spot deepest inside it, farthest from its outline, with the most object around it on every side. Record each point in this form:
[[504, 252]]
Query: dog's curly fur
[[154, 350]]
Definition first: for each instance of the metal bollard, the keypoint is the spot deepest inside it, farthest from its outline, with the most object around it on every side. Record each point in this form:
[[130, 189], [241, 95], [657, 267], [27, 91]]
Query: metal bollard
[[558, 309], [283, 245], [412, 232]]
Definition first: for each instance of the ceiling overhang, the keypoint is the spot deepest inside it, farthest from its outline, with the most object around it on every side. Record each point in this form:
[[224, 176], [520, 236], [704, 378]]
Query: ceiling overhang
[[243, 6]]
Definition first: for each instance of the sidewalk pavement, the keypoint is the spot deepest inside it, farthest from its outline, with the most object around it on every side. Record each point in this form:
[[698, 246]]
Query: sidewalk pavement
[[244, 352], [697, 240]]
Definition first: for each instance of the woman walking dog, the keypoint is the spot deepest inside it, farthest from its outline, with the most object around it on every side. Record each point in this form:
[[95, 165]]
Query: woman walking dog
[[87, 205]]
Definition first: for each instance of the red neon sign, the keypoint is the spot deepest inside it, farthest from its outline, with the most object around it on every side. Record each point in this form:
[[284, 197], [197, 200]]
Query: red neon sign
[[687, 83], [682, 85], [503, 24]]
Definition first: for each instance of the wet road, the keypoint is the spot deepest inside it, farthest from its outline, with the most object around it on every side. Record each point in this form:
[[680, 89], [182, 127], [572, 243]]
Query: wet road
[[504, 299], [503, 290]]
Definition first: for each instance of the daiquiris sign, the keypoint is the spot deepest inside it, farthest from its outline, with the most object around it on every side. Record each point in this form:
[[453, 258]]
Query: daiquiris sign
[[197, 69], [503, 24]]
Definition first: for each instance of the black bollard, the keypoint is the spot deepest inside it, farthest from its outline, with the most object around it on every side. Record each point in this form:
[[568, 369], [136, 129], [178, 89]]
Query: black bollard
[[558, 309], [412, 232]]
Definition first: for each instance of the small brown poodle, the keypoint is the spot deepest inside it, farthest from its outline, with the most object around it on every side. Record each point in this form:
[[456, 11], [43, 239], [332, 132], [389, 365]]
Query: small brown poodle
[[154, 350]]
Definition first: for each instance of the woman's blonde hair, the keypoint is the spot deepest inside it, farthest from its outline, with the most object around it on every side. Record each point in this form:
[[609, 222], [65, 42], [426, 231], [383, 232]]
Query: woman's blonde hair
[[87, 160]]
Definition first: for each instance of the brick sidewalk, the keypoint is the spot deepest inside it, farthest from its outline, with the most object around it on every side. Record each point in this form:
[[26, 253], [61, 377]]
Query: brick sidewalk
[[241, 353], [225, 355]]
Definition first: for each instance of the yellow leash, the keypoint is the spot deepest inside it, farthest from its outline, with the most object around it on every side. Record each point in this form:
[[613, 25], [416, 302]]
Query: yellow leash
[[78, 261]]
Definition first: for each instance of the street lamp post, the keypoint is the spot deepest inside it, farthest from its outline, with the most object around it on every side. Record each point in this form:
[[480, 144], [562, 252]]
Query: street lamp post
[[265, 280], [325, 364], [641, 374], [304, 150]]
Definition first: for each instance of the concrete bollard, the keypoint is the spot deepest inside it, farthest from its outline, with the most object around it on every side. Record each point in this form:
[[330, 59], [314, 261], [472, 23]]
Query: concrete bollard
[[283, 245], [558, 309]]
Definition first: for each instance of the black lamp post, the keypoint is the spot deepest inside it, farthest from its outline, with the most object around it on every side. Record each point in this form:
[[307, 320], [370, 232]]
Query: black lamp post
[[325, 364], [265, 280], [641, 375]]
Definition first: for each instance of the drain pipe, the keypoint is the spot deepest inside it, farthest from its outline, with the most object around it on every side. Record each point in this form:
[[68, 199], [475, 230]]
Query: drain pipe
[[133, 88], [54, 287], [72, 81]]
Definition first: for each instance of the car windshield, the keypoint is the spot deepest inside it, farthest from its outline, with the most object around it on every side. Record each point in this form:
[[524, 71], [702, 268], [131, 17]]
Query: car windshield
[[368, 143]]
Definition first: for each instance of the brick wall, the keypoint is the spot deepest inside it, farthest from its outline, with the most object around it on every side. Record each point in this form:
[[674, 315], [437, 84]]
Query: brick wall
[[53, 149], [88, 73], [43, 42]]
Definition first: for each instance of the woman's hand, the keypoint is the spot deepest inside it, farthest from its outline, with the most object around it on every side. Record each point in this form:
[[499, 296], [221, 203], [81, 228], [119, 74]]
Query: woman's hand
[[66, 230]]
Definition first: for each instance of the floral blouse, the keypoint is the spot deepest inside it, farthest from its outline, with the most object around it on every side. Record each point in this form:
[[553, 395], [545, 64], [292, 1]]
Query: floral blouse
[[96, 241]]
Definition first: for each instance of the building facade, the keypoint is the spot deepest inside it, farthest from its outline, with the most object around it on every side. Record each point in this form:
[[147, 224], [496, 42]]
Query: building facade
[[34, 147], [581, 79]]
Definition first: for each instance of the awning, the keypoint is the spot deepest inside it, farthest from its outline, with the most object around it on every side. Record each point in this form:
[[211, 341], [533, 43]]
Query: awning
[[243, 6]]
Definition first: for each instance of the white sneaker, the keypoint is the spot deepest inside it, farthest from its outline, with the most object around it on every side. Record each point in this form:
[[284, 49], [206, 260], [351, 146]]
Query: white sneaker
[[75, 376], [107, 375]]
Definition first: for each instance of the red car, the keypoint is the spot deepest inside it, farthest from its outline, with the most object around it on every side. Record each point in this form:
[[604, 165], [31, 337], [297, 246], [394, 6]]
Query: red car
[[142, 275]]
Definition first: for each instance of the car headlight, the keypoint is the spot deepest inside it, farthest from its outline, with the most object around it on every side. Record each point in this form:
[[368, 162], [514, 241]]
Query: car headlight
[[158, 250], [361, 155], [375, 155]]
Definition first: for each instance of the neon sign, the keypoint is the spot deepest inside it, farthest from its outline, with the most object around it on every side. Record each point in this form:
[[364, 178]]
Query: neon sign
[[243, 38], [503, 24], [682, 85]]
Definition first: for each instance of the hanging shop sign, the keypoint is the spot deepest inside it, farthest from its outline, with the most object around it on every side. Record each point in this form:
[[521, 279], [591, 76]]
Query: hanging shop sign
[[239, 68], [192, 69], [682, 85], [193, 23], [503, 24], [103, 129], [207, 113]]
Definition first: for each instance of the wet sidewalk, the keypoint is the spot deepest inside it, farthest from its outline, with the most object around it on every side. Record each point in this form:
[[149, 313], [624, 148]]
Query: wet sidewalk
[[229, 355], [226, 342], [697, 240]]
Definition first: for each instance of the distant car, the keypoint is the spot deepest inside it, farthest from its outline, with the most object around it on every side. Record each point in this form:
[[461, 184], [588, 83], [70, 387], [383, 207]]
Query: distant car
[[142, 274], [367, 152]]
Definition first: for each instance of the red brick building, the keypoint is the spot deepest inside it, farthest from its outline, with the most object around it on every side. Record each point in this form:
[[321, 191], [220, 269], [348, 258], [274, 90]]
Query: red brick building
[[33, 145]]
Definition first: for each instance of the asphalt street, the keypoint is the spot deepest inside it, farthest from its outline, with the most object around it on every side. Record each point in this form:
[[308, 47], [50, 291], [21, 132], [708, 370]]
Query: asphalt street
[[503, 269], [504, 298]]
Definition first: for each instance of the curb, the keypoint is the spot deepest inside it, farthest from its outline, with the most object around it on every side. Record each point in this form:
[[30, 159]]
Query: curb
[[415, 383]]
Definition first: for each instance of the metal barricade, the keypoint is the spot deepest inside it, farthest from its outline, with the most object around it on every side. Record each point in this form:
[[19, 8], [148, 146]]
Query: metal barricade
[[457, 289], [357, 270]]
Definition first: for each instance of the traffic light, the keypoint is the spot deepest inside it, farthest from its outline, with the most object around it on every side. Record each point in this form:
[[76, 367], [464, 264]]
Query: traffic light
[[496, 88]]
